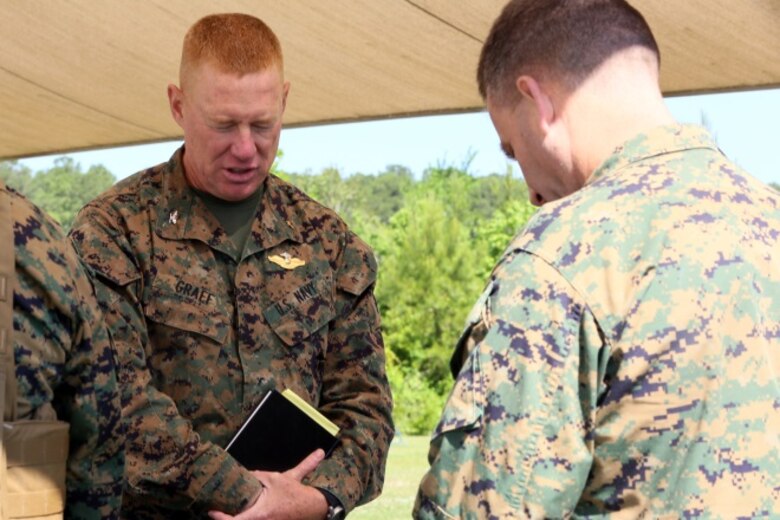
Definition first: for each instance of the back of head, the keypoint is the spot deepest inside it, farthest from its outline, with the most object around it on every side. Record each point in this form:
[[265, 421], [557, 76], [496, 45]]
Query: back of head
[[561, 40], [232, 42]]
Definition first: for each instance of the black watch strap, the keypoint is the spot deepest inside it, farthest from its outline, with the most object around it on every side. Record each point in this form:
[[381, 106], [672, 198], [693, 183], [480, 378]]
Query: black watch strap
[[335, 509]]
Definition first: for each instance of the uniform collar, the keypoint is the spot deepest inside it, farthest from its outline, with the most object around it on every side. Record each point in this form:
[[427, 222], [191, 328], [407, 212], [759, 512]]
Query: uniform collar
[[278, 219], [658, 141], [181, 215]]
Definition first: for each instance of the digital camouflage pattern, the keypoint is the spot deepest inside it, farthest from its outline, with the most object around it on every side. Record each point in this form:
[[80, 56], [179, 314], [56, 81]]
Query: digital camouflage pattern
[[204, 330], [65, 362], [623, 360]]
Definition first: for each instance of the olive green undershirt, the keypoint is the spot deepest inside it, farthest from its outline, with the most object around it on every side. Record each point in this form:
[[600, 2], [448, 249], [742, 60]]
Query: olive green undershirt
[[235, 217]]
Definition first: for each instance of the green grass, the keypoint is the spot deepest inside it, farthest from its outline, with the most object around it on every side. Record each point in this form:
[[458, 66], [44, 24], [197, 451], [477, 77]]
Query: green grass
[[406, 464]]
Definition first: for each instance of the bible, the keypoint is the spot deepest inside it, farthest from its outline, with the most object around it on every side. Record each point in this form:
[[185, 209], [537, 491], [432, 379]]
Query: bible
[[282, 430]]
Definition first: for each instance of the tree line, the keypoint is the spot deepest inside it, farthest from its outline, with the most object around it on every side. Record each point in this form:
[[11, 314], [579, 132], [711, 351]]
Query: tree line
[[436, 238]]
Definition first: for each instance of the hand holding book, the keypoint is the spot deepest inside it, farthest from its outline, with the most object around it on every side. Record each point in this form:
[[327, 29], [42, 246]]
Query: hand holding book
[[281, 432], [284, 496]]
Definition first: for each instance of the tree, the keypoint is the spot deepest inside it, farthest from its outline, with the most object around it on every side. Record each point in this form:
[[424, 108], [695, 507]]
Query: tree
[[381, 195], [495, 191], [427, 282], [494, 236], [453, 187], [64, 189], [61, 190], [15, 175]]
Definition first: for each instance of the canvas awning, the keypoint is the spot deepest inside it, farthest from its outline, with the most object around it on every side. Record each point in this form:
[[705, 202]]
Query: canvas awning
[[92, 73]]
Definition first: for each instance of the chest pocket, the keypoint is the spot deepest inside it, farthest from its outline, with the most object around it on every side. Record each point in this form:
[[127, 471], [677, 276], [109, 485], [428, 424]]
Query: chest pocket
[[465, 404], [187, 304], [475, 330], [302, 311]]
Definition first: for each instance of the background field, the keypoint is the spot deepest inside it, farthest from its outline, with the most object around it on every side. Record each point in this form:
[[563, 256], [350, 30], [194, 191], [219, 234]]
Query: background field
[[407, 462]]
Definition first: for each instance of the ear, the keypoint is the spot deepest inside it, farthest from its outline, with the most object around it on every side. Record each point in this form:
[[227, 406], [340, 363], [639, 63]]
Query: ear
[[285, 91], [530, 89], [176, 102]]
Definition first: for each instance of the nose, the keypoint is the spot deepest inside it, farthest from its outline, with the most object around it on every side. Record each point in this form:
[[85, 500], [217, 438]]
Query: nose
[[536, 198], [243, 146]]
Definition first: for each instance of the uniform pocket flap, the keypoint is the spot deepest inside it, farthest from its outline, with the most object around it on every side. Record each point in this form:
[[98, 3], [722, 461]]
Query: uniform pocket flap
[[466, 402], [358, 267], [473, 333], [302, 311], [187, 304]]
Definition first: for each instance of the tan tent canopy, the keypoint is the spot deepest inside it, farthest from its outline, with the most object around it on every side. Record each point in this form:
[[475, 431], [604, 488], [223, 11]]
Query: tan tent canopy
[[92, 73]]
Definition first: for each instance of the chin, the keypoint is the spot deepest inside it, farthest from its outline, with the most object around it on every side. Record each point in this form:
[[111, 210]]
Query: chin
[[236, 195]]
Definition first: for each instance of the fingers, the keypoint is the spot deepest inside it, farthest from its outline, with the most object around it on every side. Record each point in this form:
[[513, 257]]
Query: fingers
[[306, 466], [217, 515]]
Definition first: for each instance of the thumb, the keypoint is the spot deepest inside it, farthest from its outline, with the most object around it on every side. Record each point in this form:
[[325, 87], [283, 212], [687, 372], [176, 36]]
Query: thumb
[[306, 466]]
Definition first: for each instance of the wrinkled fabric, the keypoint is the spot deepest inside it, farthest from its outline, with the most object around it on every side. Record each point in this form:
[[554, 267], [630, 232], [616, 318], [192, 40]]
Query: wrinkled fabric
[[204, 330], [623, 360], [65, 361]]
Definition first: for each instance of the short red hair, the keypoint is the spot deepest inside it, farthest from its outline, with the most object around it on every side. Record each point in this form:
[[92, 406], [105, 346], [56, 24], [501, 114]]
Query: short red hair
[[232, 42]]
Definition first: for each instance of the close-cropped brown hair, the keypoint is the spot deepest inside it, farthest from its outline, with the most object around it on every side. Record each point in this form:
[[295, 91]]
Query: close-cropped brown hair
[[232, 42], [562, 39]]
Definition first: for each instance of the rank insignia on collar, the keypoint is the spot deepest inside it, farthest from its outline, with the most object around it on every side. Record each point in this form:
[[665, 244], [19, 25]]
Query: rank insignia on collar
[[173, 217], [286, 260]]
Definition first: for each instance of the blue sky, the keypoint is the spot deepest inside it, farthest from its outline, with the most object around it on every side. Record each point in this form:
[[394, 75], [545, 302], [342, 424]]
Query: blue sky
[[746, 126]]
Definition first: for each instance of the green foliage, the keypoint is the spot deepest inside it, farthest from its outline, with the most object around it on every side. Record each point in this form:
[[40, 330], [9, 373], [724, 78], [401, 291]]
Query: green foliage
[[60, 191], [427, 282], [435, 255], [15, 176], [380, 195], [494, 192], [775, 185], [502, 226], [417, 406], [357, 196]]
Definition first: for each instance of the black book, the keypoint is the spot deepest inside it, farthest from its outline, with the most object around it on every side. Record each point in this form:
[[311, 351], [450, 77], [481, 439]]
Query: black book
[[281, 431]]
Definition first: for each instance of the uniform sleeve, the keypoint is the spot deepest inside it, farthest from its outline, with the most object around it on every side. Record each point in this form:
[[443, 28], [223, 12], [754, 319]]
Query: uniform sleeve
[[514, 439], [356, 394], [167, 462], [96, 463], [64, 357]]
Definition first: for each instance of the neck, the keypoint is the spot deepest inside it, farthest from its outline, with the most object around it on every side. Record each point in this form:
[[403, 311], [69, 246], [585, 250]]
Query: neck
[[620, 100]]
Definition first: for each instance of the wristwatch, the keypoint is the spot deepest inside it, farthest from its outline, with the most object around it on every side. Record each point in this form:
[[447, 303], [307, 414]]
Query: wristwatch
[[335, 513], [335, 509]]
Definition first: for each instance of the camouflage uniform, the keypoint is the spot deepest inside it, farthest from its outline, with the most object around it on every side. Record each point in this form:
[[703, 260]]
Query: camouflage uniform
[[622, 361], [65, 362], [203, 330]]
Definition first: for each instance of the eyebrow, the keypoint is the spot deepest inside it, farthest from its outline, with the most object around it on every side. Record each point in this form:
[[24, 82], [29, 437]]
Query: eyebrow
[[507, 150]]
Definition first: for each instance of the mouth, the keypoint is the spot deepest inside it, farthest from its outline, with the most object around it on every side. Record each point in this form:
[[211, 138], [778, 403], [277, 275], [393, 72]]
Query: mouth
[[240, 174]]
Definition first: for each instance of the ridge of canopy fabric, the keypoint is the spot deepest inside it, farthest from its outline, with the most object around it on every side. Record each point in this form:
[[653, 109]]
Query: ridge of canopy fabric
[[86, 74]]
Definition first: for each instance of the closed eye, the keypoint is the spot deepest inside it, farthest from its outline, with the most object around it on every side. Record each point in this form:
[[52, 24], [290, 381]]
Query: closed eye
[[224, 127]]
